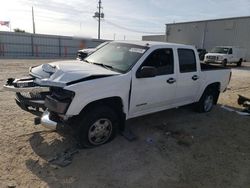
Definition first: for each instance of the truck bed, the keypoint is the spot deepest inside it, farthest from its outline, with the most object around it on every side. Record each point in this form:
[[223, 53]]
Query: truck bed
[[207, 67]]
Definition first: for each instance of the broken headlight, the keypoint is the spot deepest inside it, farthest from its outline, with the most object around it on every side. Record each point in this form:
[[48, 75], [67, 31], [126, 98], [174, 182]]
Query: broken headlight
[[59, 100], [61, 94]]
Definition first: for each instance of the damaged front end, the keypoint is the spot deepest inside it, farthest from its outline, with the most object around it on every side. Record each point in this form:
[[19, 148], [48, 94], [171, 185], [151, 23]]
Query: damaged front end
[[44, 94], [48, 103]]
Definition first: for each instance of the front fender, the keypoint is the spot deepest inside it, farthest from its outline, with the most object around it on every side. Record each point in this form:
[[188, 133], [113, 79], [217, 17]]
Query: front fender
[[93, 90]]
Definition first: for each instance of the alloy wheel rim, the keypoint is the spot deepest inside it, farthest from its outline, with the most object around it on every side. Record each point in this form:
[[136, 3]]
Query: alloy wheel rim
[[100, 131], [208, 103]]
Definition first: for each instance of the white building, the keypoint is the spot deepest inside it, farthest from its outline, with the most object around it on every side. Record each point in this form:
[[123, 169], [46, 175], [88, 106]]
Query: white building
[[210, 33]]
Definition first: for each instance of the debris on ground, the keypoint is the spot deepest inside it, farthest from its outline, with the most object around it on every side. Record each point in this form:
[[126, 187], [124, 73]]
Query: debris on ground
[[245, 102], [11, 185], [64, 159], [242, 113]]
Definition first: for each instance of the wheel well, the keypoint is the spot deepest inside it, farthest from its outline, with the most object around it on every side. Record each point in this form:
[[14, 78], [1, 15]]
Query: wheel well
[[215, 87], [114, 103]]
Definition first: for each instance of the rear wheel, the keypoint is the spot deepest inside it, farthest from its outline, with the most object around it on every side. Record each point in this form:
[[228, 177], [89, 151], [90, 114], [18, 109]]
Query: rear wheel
[[97, 126], [207, 100], [239, 63]]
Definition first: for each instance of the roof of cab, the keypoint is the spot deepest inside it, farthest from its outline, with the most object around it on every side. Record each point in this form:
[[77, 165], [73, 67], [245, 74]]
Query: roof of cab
[[152, 43]]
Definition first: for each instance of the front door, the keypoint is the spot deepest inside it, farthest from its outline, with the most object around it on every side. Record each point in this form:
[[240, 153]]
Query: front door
[[155, 93]]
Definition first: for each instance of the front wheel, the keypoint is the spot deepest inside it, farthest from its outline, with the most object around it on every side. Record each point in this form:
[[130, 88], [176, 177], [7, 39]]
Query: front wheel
[[239, 63], [97, 126]]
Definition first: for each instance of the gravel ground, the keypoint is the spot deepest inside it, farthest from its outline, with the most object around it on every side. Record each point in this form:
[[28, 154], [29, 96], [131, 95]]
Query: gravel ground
[[177, 148]]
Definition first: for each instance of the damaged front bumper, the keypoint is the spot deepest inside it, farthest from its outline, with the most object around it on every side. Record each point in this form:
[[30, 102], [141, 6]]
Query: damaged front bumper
[[49, 104], [29, 96]]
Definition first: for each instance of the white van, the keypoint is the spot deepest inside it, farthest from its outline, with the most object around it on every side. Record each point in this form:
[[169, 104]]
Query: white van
[[226, 55]]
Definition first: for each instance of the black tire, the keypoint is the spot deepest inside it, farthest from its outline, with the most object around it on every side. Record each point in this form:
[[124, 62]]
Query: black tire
[[86, 125], [224, 62], [239, 63], [210, 96]]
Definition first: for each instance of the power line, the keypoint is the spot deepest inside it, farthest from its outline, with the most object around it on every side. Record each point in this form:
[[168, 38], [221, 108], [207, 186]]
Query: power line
[[131, 30]]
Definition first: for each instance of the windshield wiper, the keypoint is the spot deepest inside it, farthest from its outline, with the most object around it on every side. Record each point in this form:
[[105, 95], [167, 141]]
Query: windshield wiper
[[86, 61], [103, 65]]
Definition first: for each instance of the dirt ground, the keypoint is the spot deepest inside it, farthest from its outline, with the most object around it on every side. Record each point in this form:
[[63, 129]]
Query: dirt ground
[[215, 151]]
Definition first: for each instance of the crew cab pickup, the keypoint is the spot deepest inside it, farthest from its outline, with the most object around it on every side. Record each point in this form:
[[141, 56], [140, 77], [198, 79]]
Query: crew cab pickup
[[120, 81], [226, 55]]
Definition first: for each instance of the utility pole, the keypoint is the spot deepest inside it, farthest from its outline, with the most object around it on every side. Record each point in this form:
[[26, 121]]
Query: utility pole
[[33, 21], [99, 19], [99, 15]]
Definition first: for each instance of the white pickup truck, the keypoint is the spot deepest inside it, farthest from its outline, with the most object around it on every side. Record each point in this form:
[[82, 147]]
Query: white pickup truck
[[226, 55], [122, 80]]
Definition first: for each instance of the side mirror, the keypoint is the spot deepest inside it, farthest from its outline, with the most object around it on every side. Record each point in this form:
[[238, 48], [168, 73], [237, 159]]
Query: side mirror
[[146, 72]]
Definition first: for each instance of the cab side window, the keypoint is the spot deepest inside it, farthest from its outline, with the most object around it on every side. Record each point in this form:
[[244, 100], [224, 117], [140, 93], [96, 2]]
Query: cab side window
[[187, 61], [162, 60], [230, 51]]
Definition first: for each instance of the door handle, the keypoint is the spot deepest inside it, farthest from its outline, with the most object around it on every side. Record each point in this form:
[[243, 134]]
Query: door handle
[[171, 80], [195, 77]]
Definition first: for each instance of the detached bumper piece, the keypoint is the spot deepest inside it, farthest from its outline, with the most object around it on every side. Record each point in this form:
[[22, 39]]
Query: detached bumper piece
[[50, 120]]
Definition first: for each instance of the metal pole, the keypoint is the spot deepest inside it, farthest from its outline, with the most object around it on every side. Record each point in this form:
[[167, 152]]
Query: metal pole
[[33, 21], [99, 19], [166, 34], [204, 36], [32, 45], [60, 45]]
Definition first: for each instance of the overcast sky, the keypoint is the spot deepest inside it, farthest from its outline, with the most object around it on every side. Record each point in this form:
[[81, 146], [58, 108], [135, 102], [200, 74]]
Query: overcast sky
[[74, 17]]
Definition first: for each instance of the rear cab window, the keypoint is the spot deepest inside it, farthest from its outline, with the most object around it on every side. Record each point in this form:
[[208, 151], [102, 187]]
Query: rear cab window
[[187, 60]]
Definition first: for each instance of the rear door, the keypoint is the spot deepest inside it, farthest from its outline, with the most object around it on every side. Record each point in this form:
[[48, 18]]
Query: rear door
[[155, 93], [188, 76]]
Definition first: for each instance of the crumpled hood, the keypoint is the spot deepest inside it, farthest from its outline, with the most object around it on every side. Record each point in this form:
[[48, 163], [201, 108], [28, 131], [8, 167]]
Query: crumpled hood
[[62, 72]]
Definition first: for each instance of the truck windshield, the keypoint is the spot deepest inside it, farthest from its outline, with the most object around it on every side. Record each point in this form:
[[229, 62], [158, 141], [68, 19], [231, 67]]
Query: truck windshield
[[220, 50], [117, 56]]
